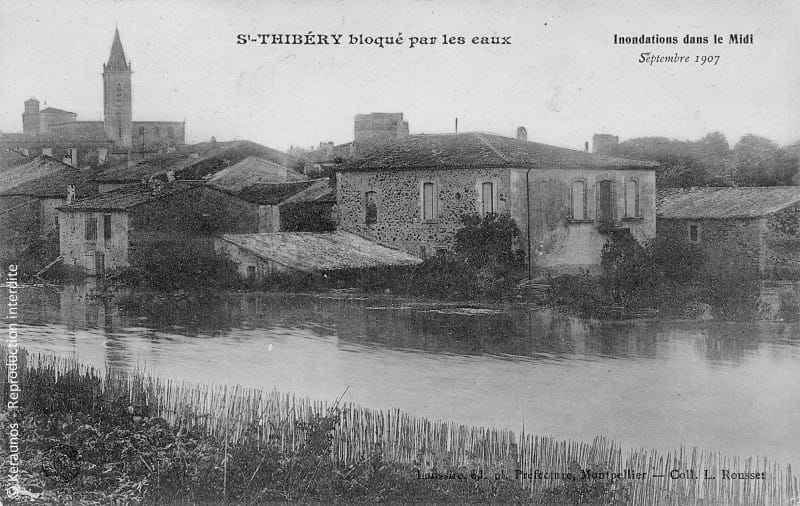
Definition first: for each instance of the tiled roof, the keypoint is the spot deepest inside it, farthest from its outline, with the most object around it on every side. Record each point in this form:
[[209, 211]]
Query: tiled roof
[[128, 196], [724, 202], [253, 170], [56, 110], [476, 150], [314, 252], [55, 184], [211, 159], [9, 158], [39, 167], [92, 136], [271, 194]]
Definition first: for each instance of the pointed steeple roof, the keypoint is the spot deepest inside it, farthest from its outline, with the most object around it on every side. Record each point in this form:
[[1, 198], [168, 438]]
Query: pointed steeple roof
[[116, 60]]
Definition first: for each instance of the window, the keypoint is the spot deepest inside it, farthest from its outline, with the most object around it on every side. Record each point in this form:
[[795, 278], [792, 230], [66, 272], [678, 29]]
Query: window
[[91, 229], [156, 132], [605, 203], [251, 271], [55, 222], [119, 93], [694, 233], [170, 132], [487, 199], [632, 198], [371, 206], [141, 132], [106, 227], [578, 200], [429, 211]]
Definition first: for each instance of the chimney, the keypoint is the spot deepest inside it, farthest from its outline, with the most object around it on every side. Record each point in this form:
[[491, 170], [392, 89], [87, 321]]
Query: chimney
[[70, 193], [586, 146], [522, 134]]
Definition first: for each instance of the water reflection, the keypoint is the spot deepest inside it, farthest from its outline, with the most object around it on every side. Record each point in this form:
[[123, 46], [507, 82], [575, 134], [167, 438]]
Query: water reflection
[[725, 386]]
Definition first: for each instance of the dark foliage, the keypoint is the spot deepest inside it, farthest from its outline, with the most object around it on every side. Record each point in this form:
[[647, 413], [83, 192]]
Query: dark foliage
[[485, 264], [170, 265], [307, 217]]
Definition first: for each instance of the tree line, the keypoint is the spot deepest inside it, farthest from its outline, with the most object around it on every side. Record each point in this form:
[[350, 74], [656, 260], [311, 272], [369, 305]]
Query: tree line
[[710, 161]]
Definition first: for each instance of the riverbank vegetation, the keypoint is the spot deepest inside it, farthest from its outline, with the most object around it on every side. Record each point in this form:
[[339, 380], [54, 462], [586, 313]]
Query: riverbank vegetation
[[86, 437], [487, 265]]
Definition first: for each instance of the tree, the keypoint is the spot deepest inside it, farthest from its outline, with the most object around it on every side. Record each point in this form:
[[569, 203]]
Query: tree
[[760, 162], [487, 240]]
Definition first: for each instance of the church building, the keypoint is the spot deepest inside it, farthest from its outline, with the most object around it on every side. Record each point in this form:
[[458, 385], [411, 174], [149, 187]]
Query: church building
[[117, 129]]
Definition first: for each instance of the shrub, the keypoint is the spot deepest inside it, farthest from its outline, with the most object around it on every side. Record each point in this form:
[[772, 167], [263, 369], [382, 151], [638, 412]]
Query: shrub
[[172, 265]]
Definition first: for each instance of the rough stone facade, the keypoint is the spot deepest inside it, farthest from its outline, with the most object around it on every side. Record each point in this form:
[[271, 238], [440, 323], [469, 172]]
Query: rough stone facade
[[560, 240], [200, 212], [379, 127], [399, 199], [249, 265], [732, 245], [782, 243]]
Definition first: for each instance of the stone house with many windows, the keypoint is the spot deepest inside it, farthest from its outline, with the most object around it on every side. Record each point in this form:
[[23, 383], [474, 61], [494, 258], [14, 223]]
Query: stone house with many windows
[[412, 193], [748, 230]]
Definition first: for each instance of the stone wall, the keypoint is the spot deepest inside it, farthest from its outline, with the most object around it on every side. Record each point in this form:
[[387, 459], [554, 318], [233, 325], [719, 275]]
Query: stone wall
[[558, 241], [730, 246], [77, 250], [157, 133], [248, 265], [782, 243], [200, 211], [196, 213], [398, 196]]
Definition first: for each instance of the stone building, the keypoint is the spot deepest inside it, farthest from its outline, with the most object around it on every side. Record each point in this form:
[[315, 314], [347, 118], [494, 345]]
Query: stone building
[[412, 194], [257, 256], [52, 127], [379, 127], [108, 230], [59, 184], [196, 162], [744, 231], [287, 206]]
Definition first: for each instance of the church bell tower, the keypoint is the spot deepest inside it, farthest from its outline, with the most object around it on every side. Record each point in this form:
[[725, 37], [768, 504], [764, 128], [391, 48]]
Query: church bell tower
[[117, 95]]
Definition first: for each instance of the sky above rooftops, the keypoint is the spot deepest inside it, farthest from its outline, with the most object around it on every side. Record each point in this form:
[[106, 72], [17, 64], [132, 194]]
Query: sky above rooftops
[[562, 76]]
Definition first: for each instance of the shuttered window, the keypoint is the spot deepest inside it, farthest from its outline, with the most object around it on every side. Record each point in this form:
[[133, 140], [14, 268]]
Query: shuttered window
[[631, 198], [578, 198], [429, 202], [487, 199], [91, 229]]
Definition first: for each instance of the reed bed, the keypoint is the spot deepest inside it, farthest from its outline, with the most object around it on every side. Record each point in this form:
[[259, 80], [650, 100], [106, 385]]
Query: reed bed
[[237, 414]]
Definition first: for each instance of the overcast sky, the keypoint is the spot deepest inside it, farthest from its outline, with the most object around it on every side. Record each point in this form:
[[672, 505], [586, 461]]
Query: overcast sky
[[562, 76]]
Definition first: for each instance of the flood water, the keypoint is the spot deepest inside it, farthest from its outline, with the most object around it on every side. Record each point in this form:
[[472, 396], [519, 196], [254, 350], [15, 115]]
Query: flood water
[[732, 387]]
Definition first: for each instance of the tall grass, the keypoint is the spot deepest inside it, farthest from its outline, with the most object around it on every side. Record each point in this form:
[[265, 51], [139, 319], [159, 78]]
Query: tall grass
[[236, 414]]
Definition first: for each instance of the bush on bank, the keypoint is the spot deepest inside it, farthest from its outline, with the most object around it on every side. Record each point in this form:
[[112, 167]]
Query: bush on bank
[[80, 448]]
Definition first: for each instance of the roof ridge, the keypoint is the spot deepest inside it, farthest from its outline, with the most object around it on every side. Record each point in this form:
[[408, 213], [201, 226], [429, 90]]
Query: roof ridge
[[492, 147]]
